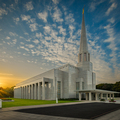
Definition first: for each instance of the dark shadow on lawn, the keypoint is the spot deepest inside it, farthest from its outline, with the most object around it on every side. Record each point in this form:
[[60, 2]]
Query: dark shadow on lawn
[[85, 111]]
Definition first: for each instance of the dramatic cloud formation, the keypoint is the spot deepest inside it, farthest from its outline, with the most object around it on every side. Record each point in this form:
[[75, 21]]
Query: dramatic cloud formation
[[37, 36]]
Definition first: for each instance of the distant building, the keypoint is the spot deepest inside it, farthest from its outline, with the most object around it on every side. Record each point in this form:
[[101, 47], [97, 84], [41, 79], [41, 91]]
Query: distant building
[[67, 81]]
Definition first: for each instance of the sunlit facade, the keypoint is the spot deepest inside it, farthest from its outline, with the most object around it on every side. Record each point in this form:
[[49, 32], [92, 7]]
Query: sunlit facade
[[65, 82]]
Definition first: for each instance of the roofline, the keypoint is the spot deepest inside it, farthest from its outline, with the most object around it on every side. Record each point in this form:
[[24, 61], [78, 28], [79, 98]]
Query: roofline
[[97, 90]]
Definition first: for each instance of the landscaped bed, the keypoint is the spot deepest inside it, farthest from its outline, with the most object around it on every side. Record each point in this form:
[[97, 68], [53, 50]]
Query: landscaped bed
[[6, 99], [27, 102]]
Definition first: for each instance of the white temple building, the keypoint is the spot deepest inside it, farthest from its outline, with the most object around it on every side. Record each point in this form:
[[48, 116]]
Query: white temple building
[[65, 82]]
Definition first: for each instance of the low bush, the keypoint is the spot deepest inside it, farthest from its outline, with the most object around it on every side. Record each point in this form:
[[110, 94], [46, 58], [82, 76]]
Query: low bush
[[112, 100], [102, 100], [6, 98]]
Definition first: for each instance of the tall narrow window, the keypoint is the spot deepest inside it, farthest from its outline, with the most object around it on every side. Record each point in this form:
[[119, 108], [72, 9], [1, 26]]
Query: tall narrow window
[[83, 85], [85, 57], [88, 56], [58, 89]]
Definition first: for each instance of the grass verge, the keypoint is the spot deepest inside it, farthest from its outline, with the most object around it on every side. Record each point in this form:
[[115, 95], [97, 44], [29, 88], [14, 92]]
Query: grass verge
[[27, 102]]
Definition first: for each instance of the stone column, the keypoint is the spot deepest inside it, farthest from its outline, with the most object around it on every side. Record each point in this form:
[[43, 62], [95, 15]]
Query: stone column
[[113, 95], [35, 92], [26, 92], [81, 85], [106, 96], [86, 96], [32, 91], [38, 90], [47, 91], [89, 96], [22, 92], [101, 96], [43, 89], [96, 96], [110, 97], [79, 96]]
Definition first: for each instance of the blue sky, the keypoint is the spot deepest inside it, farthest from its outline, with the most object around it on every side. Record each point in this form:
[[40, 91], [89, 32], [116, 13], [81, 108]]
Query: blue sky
[[38, 35]]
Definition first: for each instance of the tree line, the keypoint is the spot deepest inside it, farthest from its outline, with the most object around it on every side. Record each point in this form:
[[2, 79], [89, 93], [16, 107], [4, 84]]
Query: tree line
[[6, 92], [110, 87]]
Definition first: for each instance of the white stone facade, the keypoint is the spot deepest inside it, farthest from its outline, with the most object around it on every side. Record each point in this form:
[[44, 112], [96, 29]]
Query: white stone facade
[[45, 85], [61, 82]]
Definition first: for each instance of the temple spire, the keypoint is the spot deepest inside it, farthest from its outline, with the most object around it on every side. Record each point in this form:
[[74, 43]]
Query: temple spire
[[83, 39]]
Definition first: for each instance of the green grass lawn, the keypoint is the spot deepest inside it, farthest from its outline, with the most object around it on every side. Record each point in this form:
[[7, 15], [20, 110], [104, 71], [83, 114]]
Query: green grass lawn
[[26, 102]]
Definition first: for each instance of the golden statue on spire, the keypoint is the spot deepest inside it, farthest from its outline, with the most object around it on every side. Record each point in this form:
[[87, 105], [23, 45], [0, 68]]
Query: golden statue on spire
[[83, 10]]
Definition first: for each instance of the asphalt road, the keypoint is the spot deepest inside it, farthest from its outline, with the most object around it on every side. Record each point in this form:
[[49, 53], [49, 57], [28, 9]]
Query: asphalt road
[[84, 111]]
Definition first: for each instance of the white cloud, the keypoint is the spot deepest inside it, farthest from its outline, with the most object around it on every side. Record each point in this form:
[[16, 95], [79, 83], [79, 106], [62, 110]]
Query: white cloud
[[94, 4], [25, 17], [39, 35], [30, 45], [14, 41], [69, 19], [29, 6], [26, 33], [112, 20], [28, 40], [12, 34], [111, 8], [28, 61], [11, 56], [24, 48], [47, 29], [43, 16], [3, 12], [30, 21], [16, 20], [22, 43], [71, 27], [55, 1], [33, 27], [57, 15], [36, 41], [12, 7], [7, 38], [0, 29], [62, 30], [16, 1]]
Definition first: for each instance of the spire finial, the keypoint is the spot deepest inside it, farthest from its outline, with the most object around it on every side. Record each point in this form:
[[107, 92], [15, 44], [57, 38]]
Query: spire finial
[[83, 10]]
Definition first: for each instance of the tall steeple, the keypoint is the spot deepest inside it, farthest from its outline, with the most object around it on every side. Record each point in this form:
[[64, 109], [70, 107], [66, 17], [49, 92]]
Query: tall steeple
[[84, 55], [83, 39]]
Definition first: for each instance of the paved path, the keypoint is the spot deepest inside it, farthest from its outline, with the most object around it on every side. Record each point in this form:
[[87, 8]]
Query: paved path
[[9, 114]]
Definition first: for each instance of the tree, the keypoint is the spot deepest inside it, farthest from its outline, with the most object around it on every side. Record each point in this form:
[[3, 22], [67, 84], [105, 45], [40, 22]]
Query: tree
[[6, 92]]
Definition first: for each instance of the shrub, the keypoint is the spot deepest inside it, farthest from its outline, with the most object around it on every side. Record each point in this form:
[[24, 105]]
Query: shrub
[[5, 98], [102, 100], [112, 100]]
